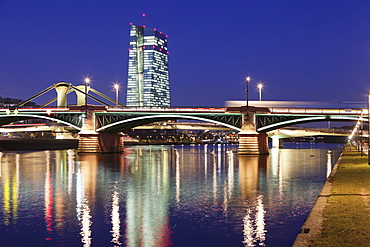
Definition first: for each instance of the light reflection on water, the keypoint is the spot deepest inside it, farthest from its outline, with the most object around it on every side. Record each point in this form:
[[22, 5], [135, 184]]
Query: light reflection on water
[[116, 222], [203, 195]]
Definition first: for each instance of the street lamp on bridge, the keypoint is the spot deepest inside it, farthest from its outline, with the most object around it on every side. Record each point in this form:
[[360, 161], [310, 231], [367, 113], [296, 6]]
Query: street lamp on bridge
[[368, 128], [260, 86], [87, 81], [247, 80], [116, 87]]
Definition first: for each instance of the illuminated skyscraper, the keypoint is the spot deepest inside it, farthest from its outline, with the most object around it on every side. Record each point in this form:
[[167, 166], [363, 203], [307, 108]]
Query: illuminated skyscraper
[[148, 78]]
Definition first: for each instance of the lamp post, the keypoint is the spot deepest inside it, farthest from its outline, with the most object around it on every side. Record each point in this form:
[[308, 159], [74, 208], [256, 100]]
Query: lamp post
[[368, 124], [87, 81], [361, 132], [247, 80], [260, 86], [116, 87]]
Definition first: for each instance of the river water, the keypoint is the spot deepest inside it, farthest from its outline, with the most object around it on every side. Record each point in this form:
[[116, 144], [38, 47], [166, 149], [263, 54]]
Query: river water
[[190, 195]]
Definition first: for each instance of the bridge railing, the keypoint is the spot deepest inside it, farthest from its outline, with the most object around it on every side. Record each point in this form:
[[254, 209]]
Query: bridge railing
[[193, 123], [318, 111], [37, 109], [121, 109], [167, 110]]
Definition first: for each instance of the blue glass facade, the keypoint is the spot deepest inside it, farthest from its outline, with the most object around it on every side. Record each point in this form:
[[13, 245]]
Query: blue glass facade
[[148, 78]]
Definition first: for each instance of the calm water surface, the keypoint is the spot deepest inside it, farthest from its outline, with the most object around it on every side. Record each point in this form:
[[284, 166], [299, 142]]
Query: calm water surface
[[203, 195]]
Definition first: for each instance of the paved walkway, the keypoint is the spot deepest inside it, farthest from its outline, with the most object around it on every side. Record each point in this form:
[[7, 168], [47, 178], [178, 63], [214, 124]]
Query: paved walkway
[[341, 214]]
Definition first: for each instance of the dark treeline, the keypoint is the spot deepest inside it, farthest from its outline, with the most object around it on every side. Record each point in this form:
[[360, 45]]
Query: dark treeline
[[7, 102]]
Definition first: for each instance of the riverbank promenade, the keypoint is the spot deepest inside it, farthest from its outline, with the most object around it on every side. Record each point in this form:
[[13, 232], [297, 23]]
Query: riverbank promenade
[[341, 214]]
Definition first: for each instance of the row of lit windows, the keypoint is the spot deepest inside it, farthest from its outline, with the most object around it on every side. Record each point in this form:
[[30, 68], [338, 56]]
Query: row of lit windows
[[156, 66], [148, 78], [154, 62], [150, 71]]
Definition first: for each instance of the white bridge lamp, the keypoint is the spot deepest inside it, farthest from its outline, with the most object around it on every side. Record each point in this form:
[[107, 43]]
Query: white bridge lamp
[[116, 87]]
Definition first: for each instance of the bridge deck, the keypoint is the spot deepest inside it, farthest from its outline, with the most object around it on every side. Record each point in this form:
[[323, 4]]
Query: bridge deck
[[322, 111]]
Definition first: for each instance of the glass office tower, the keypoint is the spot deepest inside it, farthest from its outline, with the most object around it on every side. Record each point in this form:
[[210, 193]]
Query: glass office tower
[[148, 78]]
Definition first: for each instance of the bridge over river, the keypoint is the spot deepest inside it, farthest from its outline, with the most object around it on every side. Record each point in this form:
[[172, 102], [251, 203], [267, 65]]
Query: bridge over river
[[99, 125]]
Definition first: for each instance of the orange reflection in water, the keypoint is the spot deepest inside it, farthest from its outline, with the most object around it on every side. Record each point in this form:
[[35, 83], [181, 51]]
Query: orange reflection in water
[[85, 193], [254, 219]]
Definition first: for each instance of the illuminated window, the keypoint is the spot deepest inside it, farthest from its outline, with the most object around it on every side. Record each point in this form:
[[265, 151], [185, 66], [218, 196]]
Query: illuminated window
[[148, 77]]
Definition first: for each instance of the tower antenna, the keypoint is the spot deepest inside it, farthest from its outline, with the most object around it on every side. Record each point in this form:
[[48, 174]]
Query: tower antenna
[[144, 23]]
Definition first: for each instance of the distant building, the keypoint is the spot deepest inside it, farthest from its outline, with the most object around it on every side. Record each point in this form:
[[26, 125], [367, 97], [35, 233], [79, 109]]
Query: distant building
[[148, 78]]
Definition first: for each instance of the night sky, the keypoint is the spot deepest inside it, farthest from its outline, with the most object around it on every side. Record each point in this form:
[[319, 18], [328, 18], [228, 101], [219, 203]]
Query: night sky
[[315, 50]]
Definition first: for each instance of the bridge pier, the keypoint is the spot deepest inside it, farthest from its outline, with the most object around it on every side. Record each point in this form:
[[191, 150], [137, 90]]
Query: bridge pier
[[92, 142], [111, 143], [251, 142], [88, 143], [100, 143], [277, 142]]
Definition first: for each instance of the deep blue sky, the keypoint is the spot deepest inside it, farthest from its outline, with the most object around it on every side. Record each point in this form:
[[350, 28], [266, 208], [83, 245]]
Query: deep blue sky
[[301, 50]]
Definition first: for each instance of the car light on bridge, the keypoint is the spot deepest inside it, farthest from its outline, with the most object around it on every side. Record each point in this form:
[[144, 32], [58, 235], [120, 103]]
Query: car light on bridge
[[48, 111]]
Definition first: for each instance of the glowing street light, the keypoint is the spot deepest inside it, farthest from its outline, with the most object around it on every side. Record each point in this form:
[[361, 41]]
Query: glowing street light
[[87, 81], [260, 86], [368, 123], [116, 87], [247, 80]]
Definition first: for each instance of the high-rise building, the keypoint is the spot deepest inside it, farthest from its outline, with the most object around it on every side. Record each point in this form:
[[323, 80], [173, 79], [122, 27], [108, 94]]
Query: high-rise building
[[148, 78]]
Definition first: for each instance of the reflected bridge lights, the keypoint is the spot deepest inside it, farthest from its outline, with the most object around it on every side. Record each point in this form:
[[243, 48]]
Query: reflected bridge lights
[[254, 229], [328, 163], [115, 219], [85, 224], [356, 129]]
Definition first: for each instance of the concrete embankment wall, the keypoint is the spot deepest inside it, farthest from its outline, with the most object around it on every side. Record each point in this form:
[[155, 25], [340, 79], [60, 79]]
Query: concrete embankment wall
[[340, 216], [13, 144], [313, 226]]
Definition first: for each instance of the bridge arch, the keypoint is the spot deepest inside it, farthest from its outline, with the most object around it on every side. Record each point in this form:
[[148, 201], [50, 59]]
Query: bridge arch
[[137, 121], [14, 118], [278, 125]]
